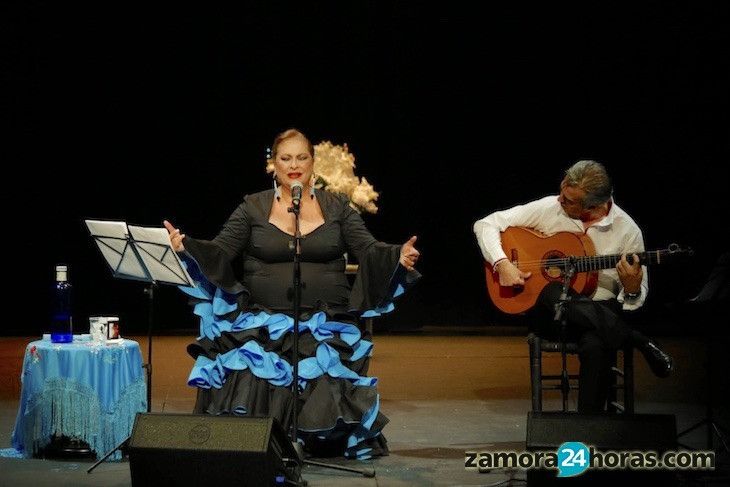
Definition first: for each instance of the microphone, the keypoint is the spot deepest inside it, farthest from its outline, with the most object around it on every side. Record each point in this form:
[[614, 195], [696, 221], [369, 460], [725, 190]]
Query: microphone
[[296, 193]]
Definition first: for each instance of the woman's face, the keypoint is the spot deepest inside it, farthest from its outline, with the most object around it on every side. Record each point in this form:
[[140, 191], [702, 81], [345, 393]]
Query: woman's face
[[293, 162]]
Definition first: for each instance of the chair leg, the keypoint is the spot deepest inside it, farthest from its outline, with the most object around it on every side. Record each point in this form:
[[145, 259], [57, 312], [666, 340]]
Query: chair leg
[[628, 356], [564, 379], [535, 372], [613, 405], [626, 384]]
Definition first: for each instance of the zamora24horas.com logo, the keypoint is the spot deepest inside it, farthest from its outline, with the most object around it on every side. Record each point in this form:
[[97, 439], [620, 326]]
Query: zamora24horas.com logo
[[574, 458]]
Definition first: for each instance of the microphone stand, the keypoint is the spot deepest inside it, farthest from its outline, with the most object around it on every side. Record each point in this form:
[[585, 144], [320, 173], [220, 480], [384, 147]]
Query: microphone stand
[[560, 316], [297, 281]]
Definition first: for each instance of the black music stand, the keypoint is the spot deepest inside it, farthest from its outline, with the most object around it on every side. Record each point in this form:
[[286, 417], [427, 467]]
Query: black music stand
[[140, 254], [713, 301]]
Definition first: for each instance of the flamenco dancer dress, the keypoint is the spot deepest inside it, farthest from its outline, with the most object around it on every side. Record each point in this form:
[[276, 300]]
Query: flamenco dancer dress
[[244, 299]]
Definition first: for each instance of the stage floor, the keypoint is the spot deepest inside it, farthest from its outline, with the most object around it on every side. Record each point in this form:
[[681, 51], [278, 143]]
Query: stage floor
[[445, 392]]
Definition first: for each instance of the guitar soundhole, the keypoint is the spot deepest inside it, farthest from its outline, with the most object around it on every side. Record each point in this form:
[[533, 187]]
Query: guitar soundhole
[[552, 268]]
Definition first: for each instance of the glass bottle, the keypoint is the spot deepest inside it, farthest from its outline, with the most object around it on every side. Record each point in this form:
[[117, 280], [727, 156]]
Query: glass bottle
[[61, 319]]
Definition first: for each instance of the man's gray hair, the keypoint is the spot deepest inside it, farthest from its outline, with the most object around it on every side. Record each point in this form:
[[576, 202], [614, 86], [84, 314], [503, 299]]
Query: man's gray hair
[[591, 177]]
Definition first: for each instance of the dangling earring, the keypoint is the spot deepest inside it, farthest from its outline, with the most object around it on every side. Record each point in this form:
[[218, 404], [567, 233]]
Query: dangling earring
[[311, 186], [277, 189]]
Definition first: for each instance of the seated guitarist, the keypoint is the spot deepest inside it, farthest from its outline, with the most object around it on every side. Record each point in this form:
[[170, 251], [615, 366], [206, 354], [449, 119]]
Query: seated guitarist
[[585, 204]]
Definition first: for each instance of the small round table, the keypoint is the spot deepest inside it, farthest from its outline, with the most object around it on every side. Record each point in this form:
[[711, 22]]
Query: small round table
[[86, 390]]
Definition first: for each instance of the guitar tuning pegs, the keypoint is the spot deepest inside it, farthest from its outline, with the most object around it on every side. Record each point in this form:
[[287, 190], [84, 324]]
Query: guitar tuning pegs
[[674, 248]]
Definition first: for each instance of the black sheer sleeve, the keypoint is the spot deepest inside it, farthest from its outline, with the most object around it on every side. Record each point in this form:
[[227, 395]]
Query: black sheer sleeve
[[379, 272], [215, 257]]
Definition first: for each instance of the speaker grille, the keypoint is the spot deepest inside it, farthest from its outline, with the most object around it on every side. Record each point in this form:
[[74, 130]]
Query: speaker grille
[[191, 449], [194, 432]]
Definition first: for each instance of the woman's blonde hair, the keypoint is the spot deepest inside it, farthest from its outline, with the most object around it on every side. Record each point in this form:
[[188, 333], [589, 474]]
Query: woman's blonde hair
[[289, 134]]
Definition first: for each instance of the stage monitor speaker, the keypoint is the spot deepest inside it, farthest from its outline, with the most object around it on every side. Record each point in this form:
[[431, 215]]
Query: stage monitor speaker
[[193, 449], [549, 430], [546, 431]]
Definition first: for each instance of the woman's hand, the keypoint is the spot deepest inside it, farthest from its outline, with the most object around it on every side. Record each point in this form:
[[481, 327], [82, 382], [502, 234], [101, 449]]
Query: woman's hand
[[176, 238], [408, 254]]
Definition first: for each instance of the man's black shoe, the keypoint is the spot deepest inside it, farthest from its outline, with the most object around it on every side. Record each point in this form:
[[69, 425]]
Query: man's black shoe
[[660, 363]]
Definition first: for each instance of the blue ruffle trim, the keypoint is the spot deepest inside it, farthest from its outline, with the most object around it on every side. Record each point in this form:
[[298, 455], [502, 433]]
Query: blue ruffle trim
[[363, 432], [387, 306], [217, 303], [399, 282], [327, 361], [355, 440], [208, 373]]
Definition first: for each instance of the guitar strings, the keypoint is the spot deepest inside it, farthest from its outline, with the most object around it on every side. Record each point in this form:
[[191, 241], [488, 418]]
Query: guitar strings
[[580, 260]]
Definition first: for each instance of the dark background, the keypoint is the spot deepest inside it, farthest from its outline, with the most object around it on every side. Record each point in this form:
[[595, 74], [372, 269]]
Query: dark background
[[145, 113]]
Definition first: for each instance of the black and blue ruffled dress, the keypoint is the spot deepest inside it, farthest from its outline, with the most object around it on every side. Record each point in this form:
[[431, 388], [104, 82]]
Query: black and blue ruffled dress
[[244, 300]]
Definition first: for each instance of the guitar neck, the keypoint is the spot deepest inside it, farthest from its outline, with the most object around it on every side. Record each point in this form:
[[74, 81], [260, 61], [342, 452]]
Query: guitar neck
[[598, 262]]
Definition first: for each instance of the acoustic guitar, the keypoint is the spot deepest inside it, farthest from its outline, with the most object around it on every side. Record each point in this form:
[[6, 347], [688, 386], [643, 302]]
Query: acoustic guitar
[[548, 258]]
